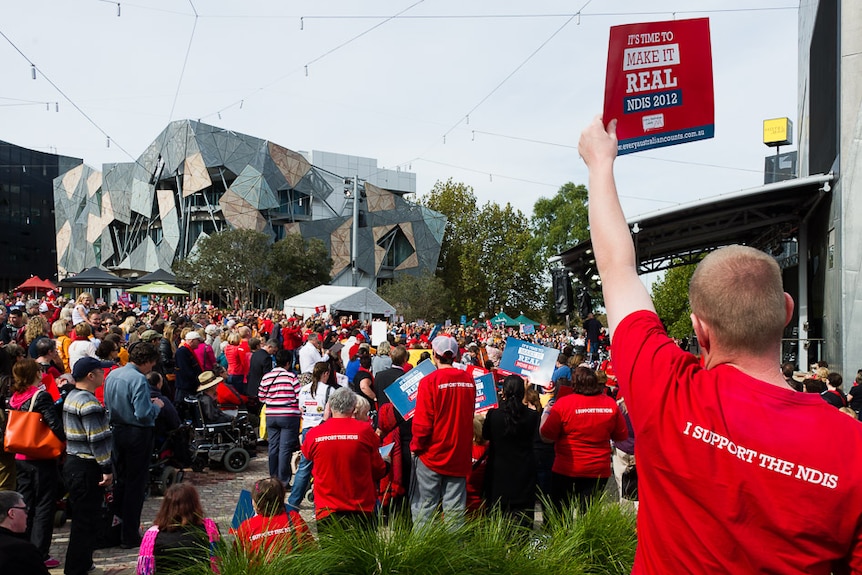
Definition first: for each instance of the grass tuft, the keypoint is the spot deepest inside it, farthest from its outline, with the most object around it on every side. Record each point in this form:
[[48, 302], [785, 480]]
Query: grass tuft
[[601, 541]]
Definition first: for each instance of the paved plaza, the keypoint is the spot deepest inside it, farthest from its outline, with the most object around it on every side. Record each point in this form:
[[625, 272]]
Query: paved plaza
[[219, 491]]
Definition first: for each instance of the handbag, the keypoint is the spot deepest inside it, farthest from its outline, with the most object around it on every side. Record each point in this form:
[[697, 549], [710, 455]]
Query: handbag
[[28, 435]]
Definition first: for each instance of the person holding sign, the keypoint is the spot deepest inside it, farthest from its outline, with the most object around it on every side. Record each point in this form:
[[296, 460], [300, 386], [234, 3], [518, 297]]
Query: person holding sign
[[727, 483], [442, 438]]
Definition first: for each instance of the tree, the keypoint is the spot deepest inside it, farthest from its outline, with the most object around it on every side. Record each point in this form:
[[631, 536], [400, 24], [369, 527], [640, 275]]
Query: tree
[[510, 274], [457, 265], [670, 296], [232, 263], [560, 222], [296, 265], [418, 297]]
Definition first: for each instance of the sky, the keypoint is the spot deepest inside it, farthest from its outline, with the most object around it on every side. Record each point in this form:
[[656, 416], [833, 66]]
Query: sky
[[491, 94]]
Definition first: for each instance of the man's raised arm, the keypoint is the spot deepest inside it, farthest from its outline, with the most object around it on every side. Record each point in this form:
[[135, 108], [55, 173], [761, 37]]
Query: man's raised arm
[[612, 242]]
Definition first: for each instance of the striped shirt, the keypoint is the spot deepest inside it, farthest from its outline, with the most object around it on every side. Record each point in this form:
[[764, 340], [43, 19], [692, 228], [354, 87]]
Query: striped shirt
[[278, 390], [88, 434]]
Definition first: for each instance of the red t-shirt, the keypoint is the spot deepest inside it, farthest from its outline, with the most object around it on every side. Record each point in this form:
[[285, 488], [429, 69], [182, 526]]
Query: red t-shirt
[[347, 465], [582, 427], [282, 533], [443, 421], [735, 475]]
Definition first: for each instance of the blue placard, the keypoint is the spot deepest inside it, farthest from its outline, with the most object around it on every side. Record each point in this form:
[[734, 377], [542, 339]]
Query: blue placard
[[434, 331], [244, 509], [486, 392], [463, 320], [145, 303], [529, 360], [402, 392], [528, 328]]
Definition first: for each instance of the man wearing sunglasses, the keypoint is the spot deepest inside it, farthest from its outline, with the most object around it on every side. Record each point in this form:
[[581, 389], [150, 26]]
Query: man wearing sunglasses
[[17, 554]]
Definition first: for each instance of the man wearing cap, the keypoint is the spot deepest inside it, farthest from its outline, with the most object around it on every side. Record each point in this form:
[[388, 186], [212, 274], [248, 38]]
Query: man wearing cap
[[87, 470], [133, 418], [442, 438], [188, 368]]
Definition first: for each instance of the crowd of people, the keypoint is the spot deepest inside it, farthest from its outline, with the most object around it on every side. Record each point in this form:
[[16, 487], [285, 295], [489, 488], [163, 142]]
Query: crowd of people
[[108, 379]]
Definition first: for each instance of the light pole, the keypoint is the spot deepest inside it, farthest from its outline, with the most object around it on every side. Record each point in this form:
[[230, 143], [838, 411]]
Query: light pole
[[354, 247]]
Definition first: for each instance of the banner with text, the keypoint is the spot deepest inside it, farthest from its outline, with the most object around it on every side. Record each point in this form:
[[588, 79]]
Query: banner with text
[[659, 84], [486, 393], [402, 392], [531, 361]]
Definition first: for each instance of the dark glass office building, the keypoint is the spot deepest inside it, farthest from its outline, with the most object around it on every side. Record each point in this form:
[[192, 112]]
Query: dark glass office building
[[28, 240]]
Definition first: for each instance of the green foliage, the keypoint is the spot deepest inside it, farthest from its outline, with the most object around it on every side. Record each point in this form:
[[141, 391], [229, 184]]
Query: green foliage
[[670, 296], [602, 541], [486, 260], [418, 297], [236, 263], [560, 222], [297, 265], [232, 262]]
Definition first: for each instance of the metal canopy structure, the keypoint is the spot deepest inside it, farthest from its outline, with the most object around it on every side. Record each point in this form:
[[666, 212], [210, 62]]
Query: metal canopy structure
[[762, 217], [765, 218]]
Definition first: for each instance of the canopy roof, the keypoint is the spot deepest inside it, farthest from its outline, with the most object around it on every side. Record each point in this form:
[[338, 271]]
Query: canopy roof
[[36, 283], [522, 319], [503, 318], [358, 300], [94, 277], [761, 217], [159, 275], [159, 288]]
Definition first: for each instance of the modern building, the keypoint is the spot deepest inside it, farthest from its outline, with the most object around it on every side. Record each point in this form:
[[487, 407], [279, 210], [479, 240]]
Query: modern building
[[27, 241], [812, 223], [196, 179]]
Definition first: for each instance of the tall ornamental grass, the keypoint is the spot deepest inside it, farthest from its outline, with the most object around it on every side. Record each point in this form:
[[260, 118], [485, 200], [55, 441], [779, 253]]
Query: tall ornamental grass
[[601, 541]]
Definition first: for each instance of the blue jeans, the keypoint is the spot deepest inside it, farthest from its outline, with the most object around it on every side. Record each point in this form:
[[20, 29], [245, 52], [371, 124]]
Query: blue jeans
[[283, 434], [301, 481]]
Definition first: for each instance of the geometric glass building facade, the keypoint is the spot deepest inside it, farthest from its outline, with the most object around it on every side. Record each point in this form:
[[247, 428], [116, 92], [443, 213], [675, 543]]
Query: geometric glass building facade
[[196, 179]]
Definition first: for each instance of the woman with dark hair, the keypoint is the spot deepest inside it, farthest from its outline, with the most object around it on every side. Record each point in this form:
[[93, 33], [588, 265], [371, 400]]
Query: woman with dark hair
[[180, 536], [272, 530], [38, 479], [510, 478], [581, 426], [363, 381]]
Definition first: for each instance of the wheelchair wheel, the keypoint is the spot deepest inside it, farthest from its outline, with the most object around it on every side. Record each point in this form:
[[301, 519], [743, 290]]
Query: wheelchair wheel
[[235, 460], [59, 518], [167, 478]]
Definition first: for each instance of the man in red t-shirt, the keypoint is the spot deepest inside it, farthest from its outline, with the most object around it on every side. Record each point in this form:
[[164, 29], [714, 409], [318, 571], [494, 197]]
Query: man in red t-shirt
[[442, 438], [737, 473], [347, 465]]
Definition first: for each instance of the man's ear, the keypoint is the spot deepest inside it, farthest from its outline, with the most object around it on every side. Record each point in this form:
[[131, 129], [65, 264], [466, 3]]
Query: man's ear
[[788, 308], [701, 330]]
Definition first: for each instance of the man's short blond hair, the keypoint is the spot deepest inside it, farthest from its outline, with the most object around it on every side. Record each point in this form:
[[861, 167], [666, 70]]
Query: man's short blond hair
[[737, 291]]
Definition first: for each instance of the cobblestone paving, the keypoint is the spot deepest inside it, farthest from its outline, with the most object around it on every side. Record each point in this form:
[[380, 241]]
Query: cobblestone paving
[[219, 492]]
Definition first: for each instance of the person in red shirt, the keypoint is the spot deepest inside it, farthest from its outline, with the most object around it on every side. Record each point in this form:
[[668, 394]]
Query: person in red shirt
[[581, 426], [273, 530], [737, 472], [346, 465], [442, 438]]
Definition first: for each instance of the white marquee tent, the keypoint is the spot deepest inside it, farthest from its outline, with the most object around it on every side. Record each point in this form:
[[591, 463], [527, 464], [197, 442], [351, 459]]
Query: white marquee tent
[[358, 301]]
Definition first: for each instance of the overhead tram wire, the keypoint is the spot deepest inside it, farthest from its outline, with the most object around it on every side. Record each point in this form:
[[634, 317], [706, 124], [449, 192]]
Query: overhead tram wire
[[185, 61], [500, 16], [636, 156], [513, 72], [68, 99], [310, 62]]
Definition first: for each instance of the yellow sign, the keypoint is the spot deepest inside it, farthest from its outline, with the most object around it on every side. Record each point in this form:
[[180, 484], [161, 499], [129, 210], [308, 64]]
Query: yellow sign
[[778, 132]]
